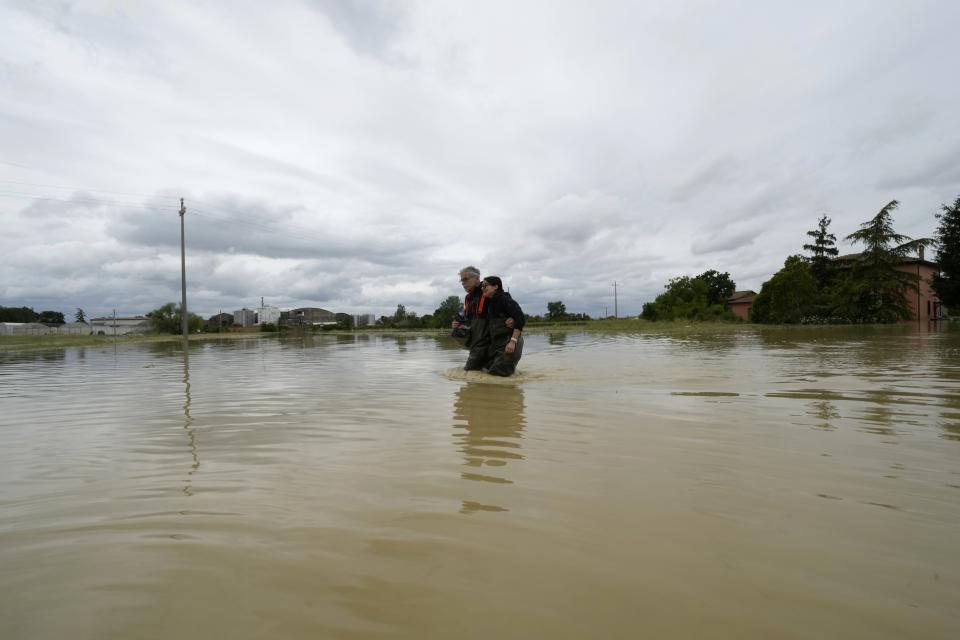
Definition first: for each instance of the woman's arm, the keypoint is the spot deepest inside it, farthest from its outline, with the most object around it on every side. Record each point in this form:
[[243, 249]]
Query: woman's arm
[[515, 313]]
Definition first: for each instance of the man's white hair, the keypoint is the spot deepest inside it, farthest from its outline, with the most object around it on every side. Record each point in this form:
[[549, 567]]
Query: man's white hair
[[471, 270]]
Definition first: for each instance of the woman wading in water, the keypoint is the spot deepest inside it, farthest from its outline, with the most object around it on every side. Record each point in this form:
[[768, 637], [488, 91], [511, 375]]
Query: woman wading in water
[[493, 344]]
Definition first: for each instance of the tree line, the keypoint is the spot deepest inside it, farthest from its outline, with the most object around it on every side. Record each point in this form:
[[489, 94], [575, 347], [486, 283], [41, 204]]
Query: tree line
[[27, 314], [865, 287], [821, 286], [824, 287], [447, 312]]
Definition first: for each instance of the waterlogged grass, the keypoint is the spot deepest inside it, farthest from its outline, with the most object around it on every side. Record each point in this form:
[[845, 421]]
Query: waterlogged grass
[[612, 326], [631, 325], [51, 341]]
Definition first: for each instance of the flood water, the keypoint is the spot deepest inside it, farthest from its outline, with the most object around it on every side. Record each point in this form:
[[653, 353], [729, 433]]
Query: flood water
[[714, 483]]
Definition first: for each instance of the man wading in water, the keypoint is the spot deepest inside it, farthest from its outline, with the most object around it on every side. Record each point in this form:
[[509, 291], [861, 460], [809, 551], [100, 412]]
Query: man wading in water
[[494, 340], [470, 281]]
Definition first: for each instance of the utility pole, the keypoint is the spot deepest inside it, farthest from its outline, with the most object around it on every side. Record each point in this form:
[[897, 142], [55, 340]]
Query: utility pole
[[183, 276], [114, 323], [616, 313]]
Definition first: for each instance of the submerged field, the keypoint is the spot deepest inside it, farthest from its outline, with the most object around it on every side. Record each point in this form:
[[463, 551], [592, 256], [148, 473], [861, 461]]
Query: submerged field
[[721, 481]]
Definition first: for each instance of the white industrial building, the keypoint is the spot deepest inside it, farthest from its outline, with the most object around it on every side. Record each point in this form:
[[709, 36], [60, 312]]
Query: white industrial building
[[364, 320], [38, 329], [23, 329], [120, 325], [245, 317], [268, 315]]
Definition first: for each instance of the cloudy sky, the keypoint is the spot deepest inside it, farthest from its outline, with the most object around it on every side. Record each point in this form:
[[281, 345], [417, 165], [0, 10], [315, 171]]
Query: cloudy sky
[[354, 155]]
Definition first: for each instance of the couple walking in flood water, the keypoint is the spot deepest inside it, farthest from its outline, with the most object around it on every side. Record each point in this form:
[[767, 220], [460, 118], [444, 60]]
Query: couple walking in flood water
[[491, 324]]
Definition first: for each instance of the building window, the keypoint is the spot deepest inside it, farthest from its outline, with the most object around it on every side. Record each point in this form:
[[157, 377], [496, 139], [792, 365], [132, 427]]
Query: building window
[[928, 307]]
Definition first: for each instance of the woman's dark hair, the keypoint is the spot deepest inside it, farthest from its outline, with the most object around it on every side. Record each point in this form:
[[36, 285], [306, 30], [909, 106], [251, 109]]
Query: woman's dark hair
[[494, 280]]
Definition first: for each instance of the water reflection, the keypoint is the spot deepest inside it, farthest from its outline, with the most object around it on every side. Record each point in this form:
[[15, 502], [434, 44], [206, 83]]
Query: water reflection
[[489, 420], [556, 339], [330, 498], [188, 422], [951, 430], [39, 357], [826, 412]]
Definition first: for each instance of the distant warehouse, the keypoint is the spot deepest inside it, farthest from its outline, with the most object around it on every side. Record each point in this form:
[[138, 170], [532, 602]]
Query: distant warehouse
[[307, 316], [120, 325], [23, 329]]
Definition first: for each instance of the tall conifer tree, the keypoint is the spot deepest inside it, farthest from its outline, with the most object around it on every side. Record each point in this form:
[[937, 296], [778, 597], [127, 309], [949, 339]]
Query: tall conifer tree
[[874, 290], [823, 251], [947, 282]]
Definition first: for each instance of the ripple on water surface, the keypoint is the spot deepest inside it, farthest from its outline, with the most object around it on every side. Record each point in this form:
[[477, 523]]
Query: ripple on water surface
[[365, 486]]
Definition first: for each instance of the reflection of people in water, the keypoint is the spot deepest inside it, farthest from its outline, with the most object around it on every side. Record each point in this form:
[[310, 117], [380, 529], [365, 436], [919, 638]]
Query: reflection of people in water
[[495, 342], [490, 421]]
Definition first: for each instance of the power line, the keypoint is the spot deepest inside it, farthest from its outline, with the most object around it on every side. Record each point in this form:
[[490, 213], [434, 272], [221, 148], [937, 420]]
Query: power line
[[99, 201], [56, 186], [124, 193]]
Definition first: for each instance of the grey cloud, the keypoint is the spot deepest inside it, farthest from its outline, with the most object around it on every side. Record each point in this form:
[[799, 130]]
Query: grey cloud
[[940, 170], [725, 241], [576, 218], [553, 148], [720, 170], [909, 119], [369, 26], [258, 162], [129, 40], [67, 208], [234, 224]]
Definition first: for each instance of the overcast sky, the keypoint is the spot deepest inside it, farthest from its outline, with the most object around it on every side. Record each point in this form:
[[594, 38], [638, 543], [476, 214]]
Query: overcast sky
[[355, 155]]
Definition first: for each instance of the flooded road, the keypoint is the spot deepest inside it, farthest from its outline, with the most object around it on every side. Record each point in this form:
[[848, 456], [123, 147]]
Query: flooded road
[[713, 483]]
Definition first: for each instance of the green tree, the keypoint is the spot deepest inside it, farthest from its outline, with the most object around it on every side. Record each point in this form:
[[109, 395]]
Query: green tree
[[789, 297], [410, 320], [823, 250], [683, 298], [873, 289], [51, 317], [400, 314], [344, 321], [719, 286], [701, 297], [18, 314], [556, 311], [946, 283], [166, 319], [447, 312], [80, 316]]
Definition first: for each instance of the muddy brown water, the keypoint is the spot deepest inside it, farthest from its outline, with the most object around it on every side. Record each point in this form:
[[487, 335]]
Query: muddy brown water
[[784, 483]]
